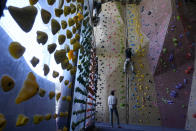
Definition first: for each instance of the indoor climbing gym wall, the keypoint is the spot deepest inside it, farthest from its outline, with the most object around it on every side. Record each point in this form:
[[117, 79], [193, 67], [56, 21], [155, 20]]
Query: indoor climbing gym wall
[[155, 18], [110, 43], [83, 108], [143, 109], [175, 61], [38, 59]]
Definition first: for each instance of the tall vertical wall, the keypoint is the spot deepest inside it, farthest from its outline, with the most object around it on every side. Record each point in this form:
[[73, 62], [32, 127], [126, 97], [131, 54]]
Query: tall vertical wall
[[142, 101], [155, 18], [110, 39]]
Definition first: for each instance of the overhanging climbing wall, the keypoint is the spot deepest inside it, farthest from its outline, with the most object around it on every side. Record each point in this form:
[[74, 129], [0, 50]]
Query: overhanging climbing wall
[[110, 39], [143, 107]]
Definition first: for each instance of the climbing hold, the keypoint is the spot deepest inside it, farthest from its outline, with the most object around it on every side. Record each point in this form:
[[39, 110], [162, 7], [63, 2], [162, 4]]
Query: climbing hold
[[46, 16], [55, 26], [68, 98], [55, 74], [64, 98], [37, 119], [173, 93], [42, 92], [46, 69], [16, 50], [51, 2], [29, 89], [185, 81], [71, 22], [70, 85], [67, 10], [61, 78], [64, 63], [3, 121], [61, 39], [60, 55], [7, 83], [188, 55], [69, 34], [22, 120], [73, 8], [58, 12], [63, 24], [80, 17], [70, 54], [58, 95], [42, 37], [72, 41], [51, 94], [74, 29], [25, 17], [66, 82], [77, 37], [76, 46], [33, 2], [55, 116], [194, 115], [51, 48], [34, 61], [48, 117]]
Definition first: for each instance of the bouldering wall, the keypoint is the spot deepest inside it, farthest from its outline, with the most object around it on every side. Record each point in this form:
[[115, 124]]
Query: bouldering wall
[[173, 75], [47, 35], [142, 101], [110, 45], [155, 18]]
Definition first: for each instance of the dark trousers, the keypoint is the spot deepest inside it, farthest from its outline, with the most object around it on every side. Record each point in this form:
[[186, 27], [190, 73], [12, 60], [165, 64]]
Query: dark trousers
[[111, 115]]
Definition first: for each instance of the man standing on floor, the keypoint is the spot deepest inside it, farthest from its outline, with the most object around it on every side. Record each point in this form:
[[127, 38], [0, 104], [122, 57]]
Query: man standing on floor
[[112, 103]]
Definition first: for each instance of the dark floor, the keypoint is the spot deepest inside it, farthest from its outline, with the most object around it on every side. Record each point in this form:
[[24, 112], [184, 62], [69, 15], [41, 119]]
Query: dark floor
[[124, 127]]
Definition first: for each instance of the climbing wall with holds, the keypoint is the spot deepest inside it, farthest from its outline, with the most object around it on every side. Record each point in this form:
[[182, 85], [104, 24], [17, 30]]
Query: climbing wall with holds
[[110, 39], [173, 75], [142, 101], [155, 17]]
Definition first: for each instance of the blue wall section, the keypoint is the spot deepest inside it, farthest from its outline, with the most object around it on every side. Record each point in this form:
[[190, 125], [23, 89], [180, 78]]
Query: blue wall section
[[18, 70]]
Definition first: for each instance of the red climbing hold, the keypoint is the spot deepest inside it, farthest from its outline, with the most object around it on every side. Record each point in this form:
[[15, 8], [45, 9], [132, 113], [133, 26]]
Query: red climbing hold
[[187, 72], [188, 55], [194, 115]]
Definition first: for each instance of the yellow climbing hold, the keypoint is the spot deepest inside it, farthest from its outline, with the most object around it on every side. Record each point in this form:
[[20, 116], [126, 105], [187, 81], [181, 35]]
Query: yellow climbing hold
[[58, 95], [42, 92], [29, 89], [22, 120], [70, 54], [7, 83], [3, 121], [80, 17], [48, 117], [51, 94], [66, 82], [69, 34], [33, 2], [69, 98], [16, 50], [37, 119]]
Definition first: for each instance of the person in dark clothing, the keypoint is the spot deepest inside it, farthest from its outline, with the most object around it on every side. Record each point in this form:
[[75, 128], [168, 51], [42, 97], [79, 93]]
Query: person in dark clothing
[[129, 54]]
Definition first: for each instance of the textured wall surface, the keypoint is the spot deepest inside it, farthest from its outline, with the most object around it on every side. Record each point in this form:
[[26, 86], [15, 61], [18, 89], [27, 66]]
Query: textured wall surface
[[170, 73], [155, 17], [143, 109], [110, 39], [18, 70]]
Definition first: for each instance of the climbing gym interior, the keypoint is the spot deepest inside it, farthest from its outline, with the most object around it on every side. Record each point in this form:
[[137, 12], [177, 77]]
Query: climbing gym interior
[[64, 65]]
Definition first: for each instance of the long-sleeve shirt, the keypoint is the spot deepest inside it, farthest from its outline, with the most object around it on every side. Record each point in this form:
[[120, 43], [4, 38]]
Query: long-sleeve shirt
[[112, 101]]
